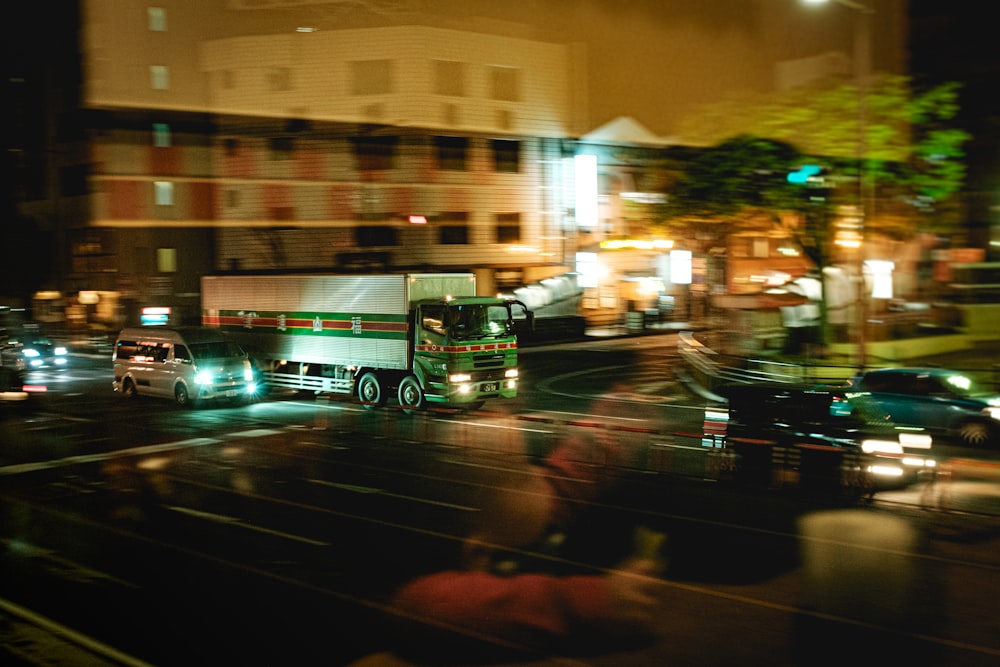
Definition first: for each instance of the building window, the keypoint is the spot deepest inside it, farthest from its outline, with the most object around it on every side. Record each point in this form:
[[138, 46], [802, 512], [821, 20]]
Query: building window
[[166, 260], [506, 156], [232, 147], [451, 152], [453, 235], [232, 198], [375, 235], [163, 193], [281, 148], [454, 229], [374, 153], [279, 78], [371, 77], [161, 135], [505, 84], [157, 17], [159, 77], [508, 227], [449, 78]]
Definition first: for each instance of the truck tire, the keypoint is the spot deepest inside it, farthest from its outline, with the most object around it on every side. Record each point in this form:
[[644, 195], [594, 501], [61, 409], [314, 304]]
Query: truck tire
[[370, 391], [411, 396]]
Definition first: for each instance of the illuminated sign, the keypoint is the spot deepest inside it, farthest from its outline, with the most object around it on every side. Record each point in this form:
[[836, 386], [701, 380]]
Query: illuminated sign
[[155, 315], [585, 171]]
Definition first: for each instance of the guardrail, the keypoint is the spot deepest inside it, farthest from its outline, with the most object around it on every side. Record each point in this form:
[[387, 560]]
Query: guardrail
[[711, 369]]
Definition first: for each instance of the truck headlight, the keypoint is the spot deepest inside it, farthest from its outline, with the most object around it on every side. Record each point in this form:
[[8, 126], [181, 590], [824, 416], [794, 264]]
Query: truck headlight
[[459, 377], [510, 373]]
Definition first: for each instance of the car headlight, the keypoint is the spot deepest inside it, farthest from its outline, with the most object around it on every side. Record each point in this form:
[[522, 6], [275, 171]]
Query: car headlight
[[994, 413], [912, 440], [881, 447], [30, 352], [61, 351]]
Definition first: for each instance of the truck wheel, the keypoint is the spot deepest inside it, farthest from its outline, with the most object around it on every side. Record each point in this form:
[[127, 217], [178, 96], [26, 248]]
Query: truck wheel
[[370, 391], [411, 396]]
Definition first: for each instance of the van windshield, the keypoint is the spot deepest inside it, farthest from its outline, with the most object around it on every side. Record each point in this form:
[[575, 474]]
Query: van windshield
[[222, 349]]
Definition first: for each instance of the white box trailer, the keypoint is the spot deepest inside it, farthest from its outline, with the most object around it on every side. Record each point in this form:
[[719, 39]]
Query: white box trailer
[[427, 338]]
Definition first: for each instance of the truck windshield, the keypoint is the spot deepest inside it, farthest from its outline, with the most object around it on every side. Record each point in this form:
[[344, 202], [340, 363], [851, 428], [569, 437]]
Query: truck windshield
[[469, 322], [216, 350]]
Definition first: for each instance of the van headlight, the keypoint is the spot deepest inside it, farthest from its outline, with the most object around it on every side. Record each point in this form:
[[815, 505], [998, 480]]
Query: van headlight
[[203, 377]]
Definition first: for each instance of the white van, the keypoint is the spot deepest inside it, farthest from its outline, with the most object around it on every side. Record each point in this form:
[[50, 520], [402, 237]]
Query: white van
[[187, 364]]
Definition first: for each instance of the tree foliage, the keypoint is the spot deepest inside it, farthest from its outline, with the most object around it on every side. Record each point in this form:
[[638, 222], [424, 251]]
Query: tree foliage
[[737, 182], [902, 138]]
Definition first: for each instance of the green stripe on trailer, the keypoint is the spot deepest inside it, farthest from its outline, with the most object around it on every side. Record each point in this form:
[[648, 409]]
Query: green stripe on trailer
[[365, 325]]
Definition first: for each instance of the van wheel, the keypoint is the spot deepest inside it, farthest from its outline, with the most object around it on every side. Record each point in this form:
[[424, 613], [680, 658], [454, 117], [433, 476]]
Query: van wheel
[[411, 396], [181, 396], [128, 388], [370, 391]]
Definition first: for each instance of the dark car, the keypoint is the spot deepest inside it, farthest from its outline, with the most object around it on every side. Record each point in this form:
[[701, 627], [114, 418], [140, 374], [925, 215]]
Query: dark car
[[823, 436], [948, 403], [15, 392], [32, 349]]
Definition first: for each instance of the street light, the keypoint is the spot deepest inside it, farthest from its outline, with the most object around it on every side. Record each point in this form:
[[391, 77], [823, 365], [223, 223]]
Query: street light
[[862, 72]]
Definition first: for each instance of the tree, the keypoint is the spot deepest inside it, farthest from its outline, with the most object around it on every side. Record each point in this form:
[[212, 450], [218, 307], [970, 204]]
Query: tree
[[742, 182], [911, 152]]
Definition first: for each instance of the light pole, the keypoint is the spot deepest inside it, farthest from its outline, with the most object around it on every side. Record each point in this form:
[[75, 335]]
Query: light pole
[[862, 73]]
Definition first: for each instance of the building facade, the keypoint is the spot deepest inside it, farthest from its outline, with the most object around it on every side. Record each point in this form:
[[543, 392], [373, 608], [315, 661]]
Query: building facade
[[320, 135]]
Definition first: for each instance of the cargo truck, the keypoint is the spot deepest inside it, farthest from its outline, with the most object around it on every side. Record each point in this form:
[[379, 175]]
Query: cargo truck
[[418, 338]]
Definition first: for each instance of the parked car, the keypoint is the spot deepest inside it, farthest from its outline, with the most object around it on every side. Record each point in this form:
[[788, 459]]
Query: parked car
[[948, 403], [823, 437]]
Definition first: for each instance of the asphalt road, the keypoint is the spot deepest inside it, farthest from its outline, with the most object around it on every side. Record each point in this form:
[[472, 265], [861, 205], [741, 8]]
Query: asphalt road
[[273, 534]]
